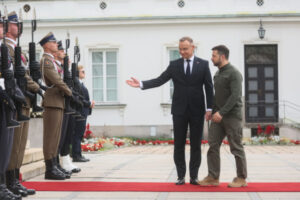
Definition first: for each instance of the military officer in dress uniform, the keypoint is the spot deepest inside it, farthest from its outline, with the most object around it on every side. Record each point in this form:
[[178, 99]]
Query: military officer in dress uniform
[[6, 137], [59, 59], [66, 133], [53, 104], [21, 133]]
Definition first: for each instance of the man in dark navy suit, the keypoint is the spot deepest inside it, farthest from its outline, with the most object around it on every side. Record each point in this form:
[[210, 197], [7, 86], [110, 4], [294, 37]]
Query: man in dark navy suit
[[189, 74], [80, 125]]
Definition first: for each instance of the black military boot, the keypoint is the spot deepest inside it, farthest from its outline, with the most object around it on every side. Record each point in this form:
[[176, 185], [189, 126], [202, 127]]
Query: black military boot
[[52, 172], [6, 194], [66, 172], [37, 108], [29, 191], [12, 184], [20, 116], [12, 124]]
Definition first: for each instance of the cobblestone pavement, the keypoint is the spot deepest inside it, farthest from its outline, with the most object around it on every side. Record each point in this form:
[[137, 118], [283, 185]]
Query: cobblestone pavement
[[155, 164]]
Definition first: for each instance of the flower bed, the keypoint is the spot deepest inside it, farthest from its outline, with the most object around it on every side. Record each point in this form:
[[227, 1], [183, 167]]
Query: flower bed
[[91, 143]]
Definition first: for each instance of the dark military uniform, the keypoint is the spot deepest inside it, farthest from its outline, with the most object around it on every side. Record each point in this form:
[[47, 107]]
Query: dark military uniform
[[228, 102], [6, 142]]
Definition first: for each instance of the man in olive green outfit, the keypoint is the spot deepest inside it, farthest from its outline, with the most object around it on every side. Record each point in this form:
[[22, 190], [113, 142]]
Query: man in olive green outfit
[[226, 120]]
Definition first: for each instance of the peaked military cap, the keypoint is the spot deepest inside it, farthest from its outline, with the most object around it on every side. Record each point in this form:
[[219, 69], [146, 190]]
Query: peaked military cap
[[13, 17], [60, 46], [48, 38]]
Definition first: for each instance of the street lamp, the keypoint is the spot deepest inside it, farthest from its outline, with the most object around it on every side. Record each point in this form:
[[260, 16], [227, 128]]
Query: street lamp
[[261, 31]]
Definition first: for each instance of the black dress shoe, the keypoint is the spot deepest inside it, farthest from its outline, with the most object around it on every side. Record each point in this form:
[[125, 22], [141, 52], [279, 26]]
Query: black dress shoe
[[76, 170], [55, 174], [30, 191], [194, 181], [67, 173], [80, 159], [180, 181]]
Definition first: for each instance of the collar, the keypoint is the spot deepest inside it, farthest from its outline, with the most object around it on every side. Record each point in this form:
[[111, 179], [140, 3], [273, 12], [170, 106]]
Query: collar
[[191, 58], [48, 54], [58, 62], [11, 40], [80, 81], [224, 67]]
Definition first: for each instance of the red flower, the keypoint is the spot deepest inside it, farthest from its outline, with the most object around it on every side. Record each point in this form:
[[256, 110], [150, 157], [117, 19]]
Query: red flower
[[84, 147], [88, 133], [293, 141], [297, 142], [204, 142], [171, 142], [259, 130], [225, 142], [269, 129]]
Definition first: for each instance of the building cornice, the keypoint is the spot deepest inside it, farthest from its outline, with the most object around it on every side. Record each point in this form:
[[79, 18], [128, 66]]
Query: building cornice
[[226, 18]]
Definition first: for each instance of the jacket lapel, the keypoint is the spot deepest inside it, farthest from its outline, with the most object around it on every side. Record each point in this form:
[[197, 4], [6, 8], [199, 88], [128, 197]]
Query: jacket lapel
[[195, 69], [181, 67], [195, 66]]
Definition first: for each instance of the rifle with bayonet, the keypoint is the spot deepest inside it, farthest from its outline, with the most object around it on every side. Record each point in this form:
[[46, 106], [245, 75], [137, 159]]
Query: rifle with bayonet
[[77, 84], [34, 68], [68, 80], [20, 72], [8, 95]]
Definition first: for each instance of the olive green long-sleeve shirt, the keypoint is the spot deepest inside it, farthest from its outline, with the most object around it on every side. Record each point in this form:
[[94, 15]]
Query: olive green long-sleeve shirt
[[228, 92]]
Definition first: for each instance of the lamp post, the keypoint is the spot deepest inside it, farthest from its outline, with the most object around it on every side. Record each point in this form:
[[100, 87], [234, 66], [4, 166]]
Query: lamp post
[[261, 31]]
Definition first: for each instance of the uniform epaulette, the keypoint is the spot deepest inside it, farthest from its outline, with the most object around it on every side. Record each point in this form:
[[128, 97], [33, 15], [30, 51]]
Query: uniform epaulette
[[47, 61]]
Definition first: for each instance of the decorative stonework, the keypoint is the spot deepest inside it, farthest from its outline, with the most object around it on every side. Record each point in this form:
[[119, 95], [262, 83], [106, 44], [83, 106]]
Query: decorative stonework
[[181, 3], [260, 2], [103, 5]]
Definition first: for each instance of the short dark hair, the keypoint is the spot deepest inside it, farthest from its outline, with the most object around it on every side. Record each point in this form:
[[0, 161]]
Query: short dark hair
[[222, 50], [186, 38]]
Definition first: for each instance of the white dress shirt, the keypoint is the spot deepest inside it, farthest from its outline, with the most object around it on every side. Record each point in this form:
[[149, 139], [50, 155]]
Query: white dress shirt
[[185, 63]]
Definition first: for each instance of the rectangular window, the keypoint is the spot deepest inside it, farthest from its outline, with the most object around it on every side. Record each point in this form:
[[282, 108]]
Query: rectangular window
[[105, 79], [173, 55]]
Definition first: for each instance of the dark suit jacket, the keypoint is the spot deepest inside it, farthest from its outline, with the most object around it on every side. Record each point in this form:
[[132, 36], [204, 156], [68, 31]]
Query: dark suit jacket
[[188, 92], [86, 110]]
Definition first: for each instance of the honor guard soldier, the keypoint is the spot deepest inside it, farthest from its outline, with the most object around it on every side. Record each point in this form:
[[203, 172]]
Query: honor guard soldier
[[63, 143], [53, 104], [68, 125], [20, 133], [6, 134]]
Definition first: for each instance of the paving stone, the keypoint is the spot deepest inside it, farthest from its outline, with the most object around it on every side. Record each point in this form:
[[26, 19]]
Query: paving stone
[[155, 164]]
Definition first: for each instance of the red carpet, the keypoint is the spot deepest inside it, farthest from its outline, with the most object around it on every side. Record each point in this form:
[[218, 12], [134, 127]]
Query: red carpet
[[158, 187]]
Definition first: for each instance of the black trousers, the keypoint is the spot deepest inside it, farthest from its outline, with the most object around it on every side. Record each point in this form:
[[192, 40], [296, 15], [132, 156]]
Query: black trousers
[[6, 141], [65, 150], [76, 139], [180, 126], [63, 143]]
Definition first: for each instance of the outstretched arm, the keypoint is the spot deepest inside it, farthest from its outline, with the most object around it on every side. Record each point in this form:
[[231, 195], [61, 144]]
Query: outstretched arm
[[133, 82], [163, 78]]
